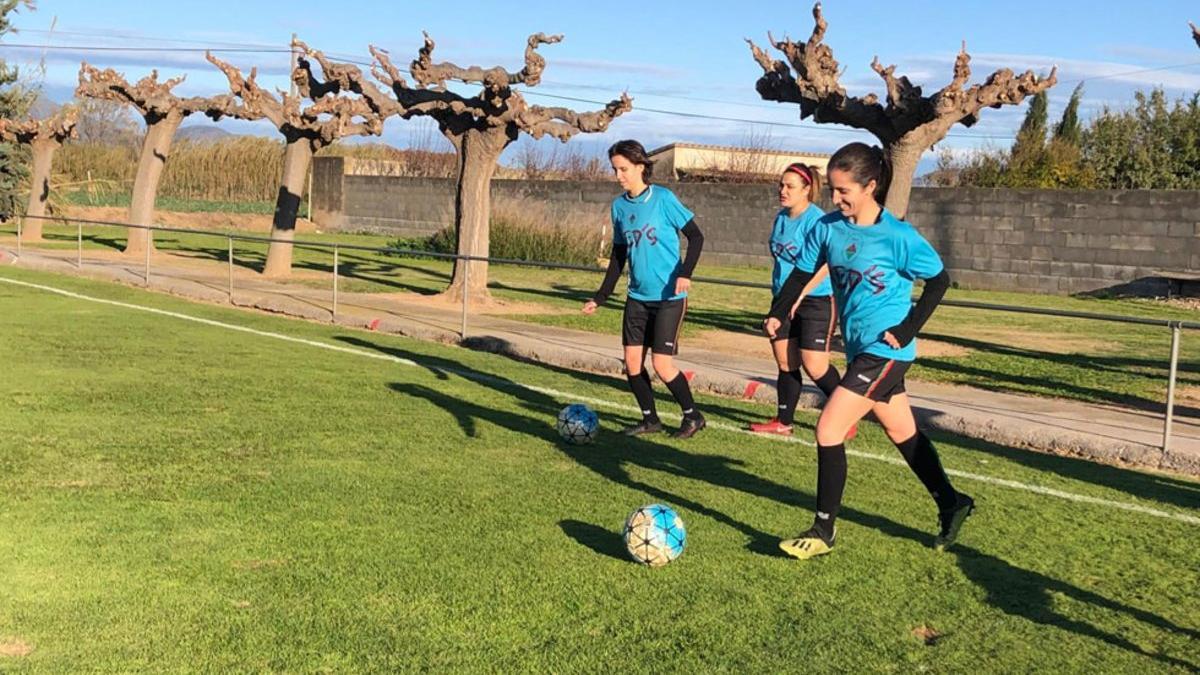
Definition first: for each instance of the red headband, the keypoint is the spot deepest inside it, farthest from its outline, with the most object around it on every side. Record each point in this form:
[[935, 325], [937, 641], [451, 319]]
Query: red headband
[[801, 171]]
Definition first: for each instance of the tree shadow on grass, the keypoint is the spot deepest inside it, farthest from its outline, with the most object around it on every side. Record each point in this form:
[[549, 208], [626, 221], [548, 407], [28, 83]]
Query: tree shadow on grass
[[1014, 382], [1146, 486], [1018, 592]]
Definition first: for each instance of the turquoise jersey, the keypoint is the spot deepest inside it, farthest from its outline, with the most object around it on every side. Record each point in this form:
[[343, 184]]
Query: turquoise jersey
[[649, 225], [787, 238], [872, 268]]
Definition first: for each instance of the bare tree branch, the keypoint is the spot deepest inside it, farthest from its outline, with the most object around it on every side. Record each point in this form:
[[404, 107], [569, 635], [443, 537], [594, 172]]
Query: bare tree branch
[[812, 81], [563, 123], [255, 102], [151, 98], [56, 128], [1195, 33], [333, 114]]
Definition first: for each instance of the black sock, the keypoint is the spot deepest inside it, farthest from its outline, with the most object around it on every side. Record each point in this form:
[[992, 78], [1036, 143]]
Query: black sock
[[644, 393], [923, 460], [683, 395], [831, 482], [788, 385], [829, 381]]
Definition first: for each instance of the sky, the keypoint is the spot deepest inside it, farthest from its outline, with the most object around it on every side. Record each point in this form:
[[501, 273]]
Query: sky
[[679, 57]]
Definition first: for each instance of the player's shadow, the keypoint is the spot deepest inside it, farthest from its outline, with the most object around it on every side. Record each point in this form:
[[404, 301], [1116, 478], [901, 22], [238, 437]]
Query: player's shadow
[[1017, 592], [612, 461], [1031, 595]]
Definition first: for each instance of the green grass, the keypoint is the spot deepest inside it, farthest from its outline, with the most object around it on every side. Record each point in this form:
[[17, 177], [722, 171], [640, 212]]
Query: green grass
[[1099, 362], [178, 496], [122, 199]]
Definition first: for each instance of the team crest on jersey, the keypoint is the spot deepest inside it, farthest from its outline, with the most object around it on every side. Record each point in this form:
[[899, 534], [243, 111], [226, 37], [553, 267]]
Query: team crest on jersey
[[632, 218], [851, 250]]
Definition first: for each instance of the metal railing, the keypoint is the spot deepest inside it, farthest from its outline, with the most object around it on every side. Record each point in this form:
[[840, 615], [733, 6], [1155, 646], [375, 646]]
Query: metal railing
[[1175, 326]]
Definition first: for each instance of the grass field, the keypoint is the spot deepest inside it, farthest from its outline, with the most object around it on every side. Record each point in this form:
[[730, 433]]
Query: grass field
[[177, 495], [1120, 364]]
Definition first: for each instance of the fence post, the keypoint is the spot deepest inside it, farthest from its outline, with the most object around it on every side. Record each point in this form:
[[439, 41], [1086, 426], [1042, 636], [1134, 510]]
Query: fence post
[[79, 244], [466, 290], [335, 281], [1175, 331], [231, 269], [147, 263]]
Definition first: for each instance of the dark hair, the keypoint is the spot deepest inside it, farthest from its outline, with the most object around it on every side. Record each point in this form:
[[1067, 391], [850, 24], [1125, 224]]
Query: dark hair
[[864, 163], [810, 175], [635, 153]]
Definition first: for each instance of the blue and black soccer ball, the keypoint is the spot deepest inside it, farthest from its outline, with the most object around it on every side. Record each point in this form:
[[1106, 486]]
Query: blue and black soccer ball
[[578, 424]]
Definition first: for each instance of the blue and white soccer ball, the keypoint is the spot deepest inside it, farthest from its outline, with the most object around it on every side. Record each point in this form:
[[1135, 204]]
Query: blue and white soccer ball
[[578, 424], [654, 535]]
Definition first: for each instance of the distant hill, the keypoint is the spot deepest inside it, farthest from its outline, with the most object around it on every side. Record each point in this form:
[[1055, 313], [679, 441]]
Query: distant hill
[[42, 108], [202, 133]]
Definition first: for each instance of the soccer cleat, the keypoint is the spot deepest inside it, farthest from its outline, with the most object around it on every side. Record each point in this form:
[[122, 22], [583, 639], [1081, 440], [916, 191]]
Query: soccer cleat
[[646, 426], [951, 522], [808, 544], [773, 427], [690, 426], [852, 433]]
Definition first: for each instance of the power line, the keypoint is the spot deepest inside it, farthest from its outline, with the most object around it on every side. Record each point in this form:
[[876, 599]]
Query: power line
[[265, 49], [106, 48]]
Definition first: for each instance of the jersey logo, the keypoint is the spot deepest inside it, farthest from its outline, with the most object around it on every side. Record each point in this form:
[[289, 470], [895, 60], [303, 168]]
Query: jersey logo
[[786, 250], [851, 250], [632, 218], [848, 279], [635, 237]]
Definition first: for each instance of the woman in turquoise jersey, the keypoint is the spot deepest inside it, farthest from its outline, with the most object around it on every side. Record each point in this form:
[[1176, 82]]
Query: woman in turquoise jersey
[[647, 223], [804, 337], [873, 259]]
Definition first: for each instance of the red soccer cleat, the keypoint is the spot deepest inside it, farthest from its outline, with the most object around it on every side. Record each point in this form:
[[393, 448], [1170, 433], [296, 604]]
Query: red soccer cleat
[[772, 427]]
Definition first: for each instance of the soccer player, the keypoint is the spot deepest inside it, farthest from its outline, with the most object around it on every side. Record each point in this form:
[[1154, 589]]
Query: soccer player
[[873, 259], [647, 221], [805, 340]]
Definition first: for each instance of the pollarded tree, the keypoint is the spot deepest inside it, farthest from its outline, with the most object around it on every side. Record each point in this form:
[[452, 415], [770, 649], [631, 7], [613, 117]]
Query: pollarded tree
[[480, 127], [43, 137], [329, 116], [163, 112], [909, 124]]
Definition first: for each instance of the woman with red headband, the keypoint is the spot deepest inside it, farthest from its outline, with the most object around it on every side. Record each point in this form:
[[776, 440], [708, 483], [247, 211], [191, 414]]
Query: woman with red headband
[[803, 340]]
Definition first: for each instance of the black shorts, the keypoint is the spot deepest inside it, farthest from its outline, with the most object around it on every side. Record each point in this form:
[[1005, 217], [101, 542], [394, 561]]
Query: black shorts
[[875, 377], [813, 324], [654, 324]]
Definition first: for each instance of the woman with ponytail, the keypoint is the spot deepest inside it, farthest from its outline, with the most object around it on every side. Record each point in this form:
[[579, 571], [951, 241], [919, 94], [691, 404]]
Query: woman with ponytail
[[873, 259]]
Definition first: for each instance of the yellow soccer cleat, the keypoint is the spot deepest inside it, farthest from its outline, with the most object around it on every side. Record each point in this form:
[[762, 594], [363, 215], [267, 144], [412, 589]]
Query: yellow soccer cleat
[[808, 544]]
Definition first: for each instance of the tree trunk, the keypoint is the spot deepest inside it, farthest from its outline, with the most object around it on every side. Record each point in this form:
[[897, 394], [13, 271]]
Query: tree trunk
[[296, 161], [478, 153], [904, 158], [39, 189], [156, 147]]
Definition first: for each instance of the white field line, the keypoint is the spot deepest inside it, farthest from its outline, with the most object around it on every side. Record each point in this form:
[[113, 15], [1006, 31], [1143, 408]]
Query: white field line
[[602, 403]]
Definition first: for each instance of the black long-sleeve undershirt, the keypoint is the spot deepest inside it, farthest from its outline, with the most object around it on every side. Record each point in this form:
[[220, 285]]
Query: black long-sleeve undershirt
[[931, 295], [790, 293], [695, 239], [620, 253], [616, 263]]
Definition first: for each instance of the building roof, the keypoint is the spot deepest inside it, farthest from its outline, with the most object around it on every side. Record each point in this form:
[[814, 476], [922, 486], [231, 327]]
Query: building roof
[[728, 148]]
